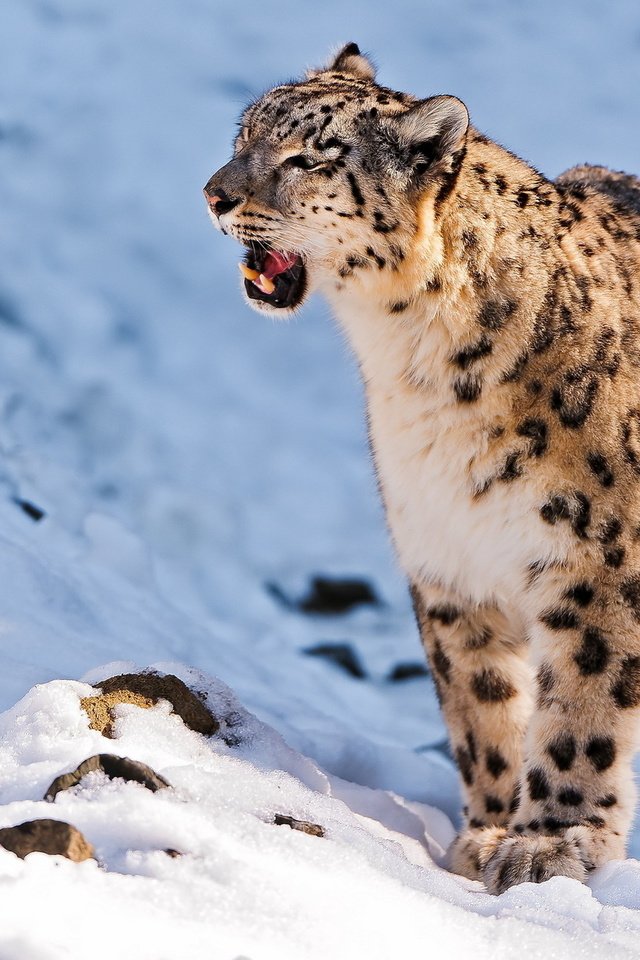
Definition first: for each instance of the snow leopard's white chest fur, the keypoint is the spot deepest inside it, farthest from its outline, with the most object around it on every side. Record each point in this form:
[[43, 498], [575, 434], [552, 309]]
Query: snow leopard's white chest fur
[[426, 448]]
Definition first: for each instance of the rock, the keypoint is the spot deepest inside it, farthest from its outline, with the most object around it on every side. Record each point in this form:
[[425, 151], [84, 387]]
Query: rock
[[407, 671], [328, 595], [46, 836], [342, 655], [334, 595], [313, 829], [114, 767], [144, 690], [34, 512]]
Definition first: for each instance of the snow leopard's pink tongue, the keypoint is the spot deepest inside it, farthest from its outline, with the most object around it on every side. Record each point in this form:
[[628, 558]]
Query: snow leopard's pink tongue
[[276, 263]]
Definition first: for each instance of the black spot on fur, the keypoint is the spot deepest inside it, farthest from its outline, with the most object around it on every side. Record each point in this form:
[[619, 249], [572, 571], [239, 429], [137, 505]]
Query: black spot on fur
[[475, 351], [584, 285], [495, 313], [630, 592], [515, 800], [511, 469], [490, 686], [538, 784], [554, 824], [580, 593], [601, 469], [545, 680], [556, 508], [467, 389], [573, 402], [356, 262], [601, 751], [515, 372], [570, 797], [471, 746], [593, 655], [609, 801], [631, 439], [399, 306], [380, 261], [537, 431], [493, 804], [444, 613], [577, 511], [535, 571], [610, 530], [560, 618], [496, 764], [441, 662], [614, 557], [476, 824], [596, 821], [449, 179], [626, 692], [582, 514], [563, 751], [522, 198], [464, 765]]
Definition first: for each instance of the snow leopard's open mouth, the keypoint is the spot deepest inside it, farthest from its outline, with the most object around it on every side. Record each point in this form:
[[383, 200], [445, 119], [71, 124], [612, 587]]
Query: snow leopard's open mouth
[[275, 277]]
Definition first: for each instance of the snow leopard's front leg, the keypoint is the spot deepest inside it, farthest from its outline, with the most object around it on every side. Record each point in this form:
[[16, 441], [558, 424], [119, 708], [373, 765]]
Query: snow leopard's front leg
[[479, 665], [577, 795]]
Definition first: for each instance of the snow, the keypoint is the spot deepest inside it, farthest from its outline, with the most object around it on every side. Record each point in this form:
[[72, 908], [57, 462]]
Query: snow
[[187, 453]]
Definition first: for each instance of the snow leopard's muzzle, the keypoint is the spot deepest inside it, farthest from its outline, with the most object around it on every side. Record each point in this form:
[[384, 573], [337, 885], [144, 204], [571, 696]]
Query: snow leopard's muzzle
[[274, 279]]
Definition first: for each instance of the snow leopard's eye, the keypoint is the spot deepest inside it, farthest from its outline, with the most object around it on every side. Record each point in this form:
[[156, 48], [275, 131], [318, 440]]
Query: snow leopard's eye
[[302, 162]]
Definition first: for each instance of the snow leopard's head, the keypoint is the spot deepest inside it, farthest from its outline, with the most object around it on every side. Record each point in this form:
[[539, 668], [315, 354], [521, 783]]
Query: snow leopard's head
[[328, 177]]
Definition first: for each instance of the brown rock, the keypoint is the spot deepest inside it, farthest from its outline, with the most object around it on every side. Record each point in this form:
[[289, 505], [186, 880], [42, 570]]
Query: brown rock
[[113, 767], [46, 836], [144, 690], [313, 829]]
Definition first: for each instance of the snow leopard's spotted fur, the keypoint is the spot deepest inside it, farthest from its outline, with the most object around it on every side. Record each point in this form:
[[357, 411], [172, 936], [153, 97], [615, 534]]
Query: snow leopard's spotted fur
[[496, 319]]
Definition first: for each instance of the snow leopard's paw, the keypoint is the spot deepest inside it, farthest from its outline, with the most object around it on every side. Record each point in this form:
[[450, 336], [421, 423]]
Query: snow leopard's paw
[[472, 848], [533, 859]]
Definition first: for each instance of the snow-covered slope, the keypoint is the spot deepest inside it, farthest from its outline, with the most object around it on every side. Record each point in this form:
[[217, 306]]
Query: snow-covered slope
[[187, 453]]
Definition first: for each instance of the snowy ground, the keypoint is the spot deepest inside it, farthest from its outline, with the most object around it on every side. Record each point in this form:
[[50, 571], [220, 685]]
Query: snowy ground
[[186, 453]]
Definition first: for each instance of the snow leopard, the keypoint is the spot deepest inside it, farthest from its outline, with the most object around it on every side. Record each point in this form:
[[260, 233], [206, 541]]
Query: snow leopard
[[495, 317]]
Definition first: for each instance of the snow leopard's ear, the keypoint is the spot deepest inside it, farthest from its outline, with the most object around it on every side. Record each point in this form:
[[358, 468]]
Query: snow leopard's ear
[[430, 131], [348, 60]]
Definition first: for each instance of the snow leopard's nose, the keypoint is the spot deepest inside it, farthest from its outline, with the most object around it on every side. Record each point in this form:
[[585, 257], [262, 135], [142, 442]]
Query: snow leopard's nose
[[219, 201]]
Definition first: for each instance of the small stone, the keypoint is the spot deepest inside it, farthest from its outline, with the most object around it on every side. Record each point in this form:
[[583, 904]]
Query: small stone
[[313, 829], [327, 595], [46, 836], [331, 595], [342, 655], [144, 690], [113, 767], [34, 512], [407, 671]]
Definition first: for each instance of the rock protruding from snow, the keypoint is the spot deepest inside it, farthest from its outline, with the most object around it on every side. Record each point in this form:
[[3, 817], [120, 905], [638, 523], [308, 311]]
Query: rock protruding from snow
[[304, 826], [46, 836], [329, 596], [115, 768], [144, 690], [407, 671], [342, 654]]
